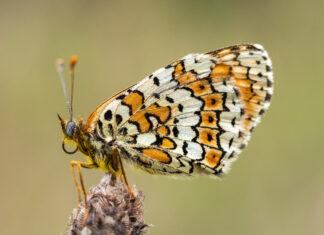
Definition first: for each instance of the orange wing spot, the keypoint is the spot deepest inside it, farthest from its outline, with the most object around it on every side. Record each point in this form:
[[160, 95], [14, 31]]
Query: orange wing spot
[[244, 87], [186, 78], [208, 137], [134, 100], [213, 101], [163, 130], [162, 113], [200, 87], [157, 155], [243, 83], [141, 121], [213, 157], [250, 100], [167, 144], [178, 69], [220, 70], [208, 119]]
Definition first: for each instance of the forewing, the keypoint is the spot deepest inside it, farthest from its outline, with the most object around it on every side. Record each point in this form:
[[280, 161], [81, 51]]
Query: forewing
[[194, 115]]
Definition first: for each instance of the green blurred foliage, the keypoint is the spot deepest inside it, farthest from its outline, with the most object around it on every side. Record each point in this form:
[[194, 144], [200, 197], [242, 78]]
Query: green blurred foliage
[[276, 187]]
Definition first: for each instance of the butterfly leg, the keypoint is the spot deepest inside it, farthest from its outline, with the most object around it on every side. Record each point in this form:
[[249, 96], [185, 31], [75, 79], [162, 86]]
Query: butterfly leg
[[117, 158], [72, 164], [79, 188]]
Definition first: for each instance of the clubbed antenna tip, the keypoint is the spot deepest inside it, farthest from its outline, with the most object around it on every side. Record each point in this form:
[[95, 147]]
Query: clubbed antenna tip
[[73, 61], [59, 65]]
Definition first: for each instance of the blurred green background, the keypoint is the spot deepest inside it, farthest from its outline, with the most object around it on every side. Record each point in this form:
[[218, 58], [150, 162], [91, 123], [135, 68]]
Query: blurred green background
[[276, 187]]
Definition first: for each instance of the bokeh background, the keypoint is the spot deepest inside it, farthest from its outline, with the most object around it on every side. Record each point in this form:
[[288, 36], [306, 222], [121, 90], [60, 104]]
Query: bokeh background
[[276, 187]]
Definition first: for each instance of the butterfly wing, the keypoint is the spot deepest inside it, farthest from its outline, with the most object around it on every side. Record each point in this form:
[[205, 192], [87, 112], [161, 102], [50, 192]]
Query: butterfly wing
[[193, 116]]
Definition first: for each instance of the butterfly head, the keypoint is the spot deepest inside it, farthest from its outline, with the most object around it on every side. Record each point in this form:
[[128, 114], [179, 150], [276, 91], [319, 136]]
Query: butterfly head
[[69, 128], [71, 132]]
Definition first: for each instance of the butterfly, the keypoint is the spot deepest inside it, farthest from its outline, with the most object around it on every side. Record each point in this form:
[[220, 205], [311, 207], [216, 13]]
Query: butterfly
[[192, 117]]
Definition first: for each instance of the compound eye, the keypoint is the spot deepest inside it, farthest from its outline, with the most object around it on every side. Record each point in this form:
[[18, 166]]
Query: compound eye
[[70, 128], [69, 152]]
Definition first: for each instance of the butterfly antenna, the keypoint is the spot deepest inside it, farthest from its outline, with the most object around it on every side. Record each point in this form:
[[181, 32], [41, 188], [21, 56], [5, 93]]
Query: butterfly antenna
[[59, 67], [73, 62]]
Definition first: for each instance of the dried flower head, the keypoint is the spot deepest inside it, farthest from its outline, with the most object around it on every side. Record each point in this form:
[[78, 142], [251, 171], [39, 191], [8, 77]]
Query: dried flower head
[[112, 210]]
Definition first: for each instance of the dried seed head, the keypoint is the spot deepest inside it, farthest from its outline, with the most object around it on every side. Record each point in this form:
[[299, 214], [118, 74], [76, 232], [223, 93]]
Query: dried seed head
[[112, 210]]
